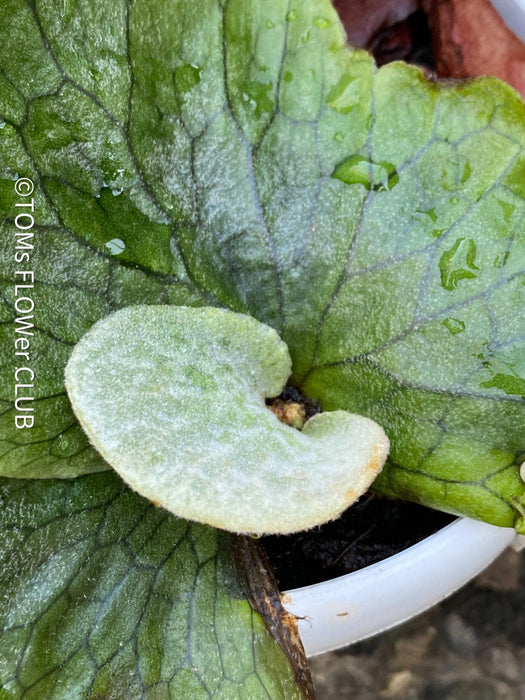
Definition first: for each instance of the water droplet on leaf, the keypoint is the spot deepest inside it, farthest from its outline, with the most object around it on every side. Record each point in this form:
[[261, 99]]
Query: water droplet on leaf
[[116, 246], [501, 260], [96, 75], [358, 170], [507, 208], [458, 263], [61, 445], [322, 22], [454, 325], [511, 384], [428, 218], [345, 94], [187, 77], [455, 173], [255, 96], [515, 178]]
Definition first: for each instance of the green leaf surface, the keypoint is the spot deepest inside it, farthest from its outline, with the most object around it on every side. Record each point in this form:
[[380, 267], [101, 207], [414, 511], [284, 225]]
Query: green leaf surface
[[105, 596], [237, 154], [174, 399]]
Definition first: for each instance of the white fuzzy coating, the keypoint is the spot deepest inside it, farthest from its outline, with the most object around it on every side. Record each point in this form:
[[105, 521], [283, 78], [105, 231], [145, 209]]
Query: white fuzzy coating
[[174, 400]]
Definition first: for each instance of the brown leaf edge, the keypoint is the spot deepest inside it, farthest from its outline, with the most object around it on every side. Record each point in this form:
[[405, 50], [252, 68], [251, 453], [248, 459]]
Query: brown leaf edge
[[261, 588]]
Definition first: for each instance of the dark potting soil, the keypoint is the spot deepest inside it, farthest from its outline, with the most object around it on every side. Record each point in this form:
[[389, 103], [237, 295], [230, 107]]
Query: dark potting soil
[[371, 530]]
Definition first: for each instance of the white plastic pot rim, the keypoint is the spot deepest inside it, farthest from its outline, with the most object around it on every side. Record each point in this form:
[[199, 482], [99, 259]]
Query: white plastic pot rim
[[513, 14], [339, 612]]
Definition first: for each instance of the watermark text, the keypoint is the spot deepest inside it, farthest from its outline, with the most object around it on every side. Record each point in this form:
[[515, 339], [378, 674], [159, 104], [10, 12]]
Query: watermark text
[[24, 282]]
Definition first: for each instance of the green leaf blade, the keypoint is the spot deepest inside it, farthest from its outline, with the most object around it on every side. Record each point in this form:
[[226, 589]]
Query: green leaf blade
[[228, 149], [121, 617]]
